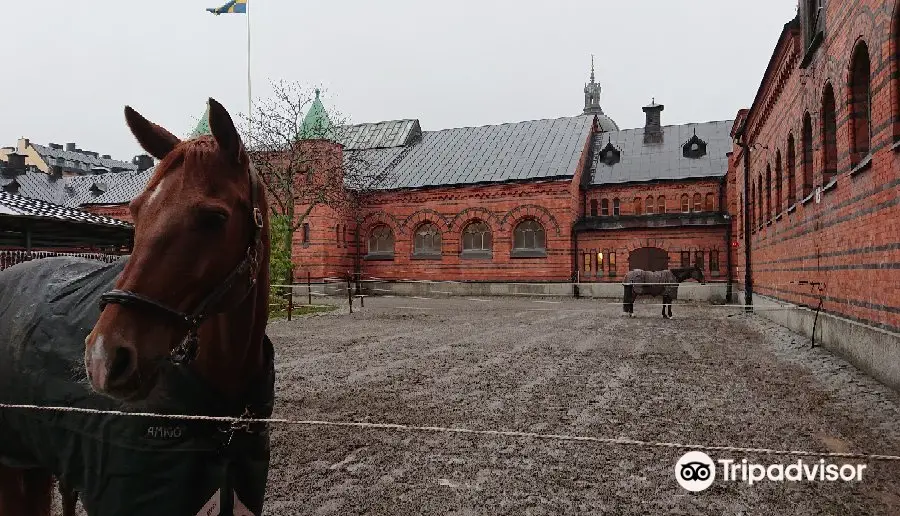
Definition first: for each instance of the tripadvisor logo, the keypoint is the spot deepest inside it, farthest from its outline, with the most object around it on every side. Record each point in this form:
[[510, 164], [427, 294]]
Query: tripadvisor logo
[[696, 471]]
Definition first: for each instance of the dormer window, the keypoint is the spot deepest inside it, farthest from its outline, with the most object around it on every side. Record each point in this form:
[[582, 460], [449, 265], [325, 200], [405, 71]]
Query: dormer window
[[610, 155], [694, 148], [98, 188], [12, 187]]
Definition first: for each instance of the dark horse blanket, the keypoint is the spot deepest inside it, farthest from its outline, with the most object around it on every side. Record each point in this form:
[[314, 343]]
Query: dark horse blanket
[[639, 278], [119, 465]]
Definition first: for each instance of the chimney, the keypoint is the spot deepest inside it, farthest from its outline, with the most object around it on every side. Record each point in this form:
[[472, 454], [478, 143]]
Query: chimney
[[653, 132], [22, 145], [16, 163], [106, 156], [143, 162], [70, 147], [56, 146]]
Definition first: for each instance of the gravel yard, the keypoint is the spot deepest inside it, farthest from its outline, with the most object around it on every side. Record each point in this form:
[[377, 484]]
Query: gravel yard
[[710, 376]]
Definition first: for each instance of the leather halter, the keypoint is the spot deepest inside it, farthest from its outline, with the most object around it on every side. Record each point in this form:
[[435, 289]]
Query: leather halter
[[186, 350]]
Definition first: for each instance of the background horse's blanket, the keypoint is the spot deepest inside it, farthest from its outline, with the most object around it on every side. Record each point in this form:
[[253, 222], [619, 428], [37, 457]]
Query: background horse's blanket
[[120, 465], [638, 277]]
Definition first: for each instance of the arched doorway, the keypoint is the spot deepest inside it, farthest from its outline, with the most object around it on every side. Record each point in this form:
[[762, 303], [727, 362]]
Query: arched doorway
[[648, 259]]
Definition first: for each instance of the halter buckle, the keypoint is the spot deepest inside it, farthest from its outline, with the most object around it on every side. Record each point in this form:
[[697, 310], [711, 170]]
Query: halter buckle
[[257, 218]]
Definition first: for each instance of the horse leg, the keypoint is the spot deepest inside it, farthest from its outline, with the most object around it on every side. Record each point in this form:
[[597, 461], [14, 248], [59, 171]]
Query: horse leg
[[69, 500], [25, 492], [670, 309], [666, 301], [627, 300]]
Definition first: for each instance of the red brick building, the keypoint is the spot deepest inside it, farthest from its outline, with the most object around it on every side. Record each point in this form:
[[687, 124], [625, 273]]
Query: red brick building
[[816, 177]]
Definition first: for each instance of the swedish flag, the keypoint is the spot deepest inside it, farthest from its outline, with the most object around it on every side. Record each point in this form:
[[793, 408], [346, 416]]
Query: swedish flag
[[233, 6]]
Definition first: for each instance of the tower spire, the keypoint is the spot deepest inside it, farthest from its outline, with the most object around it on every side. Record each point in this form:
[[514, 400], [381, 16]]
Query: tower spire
[[592, 68]]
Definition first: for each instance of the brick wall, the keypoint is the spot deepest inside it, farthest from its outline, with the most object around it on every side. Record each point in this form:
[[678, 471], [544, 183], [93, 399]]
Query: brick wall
[[846, 237], [118, 211], [671, 193], [671, 240]]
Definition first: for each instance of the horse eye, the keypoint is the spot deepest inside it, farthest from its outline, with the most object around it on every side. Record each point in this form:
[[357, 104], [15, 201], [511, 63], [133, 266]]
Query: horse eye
[[211, 219]]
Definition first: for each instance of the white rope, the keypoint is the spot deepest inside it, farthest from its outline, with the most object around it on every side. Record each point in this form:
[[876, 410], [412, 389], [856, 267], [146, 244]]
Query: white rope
[[453, 430]]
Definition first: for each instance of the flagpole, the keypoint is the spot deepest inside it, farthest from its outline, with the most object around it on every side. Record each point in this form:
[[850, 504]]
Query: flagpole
[[249, 91]]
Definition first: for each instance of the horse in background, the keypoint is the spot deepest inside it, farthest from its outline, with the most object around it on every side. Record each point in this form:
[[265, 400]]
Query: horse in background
[[178, 326], [663, 283]]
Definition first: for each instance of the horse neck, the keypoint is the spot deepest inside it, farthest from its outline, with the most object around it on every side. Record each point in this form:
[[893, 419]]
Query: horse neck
[[231, 357], [681, 274]]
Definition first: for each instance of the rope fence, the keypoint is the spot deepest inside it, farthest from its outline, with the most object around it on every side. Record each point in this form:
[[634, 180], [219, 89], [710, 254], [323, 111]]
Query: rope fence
[[612, 441]]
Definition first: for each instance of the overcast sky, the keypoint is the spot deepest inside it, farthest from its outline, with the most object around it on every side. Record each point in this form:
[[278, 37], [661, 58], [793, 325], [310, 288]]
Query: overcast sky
[[72, 66]]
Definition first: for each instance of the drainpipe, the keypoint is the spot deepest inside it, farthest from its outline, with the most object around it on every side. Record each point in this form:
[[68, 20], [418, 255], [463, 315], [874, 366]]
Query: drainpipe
[[357, 265], [748, 277], [575, 290]]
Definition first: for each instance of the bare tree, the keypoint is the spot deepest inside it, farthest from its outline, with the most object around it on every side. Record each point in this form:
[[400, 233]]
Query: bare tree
[[300, 171]]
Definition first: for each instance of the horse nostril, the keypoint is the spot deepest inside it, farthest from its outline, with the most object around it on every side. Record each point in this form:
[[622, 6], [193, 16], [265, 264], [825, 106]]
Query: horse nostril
[[123, 365]]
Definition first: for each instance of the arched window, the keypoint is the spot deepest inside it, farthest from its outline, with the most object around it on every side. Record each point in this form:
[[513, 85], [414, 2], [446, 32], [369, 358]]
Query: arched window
[[381, 241], [529, 236], [829, 135], [661, 204], [616, 206], [860, 104], [604, 207], [710, 204], [698, 202], [768, 205], [648, 205], [638, 206], [760, 212], [779, 172], [807, 156], [791, 176], [685, 203], [593, 207], [427, 240], [476, 237]]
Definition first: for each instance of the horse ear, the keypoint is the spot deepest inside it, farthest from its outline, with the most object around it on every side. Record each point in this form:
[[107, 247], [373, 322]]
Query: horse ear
[[224, 131], [153, 138]]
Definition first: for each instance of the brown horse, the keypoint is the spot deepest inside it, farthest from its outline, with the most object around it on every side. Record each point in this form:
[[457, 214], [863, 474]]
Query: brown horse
[[663, 283], [191, 302]]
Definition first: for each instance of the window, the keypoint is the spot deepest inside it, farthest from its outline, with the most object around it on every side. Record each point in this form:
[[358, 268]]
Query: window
[[529, 236], [427, 240], [685, 203], [593, 207], [612, 263], [685, 258], [586, 262], [698, 202], [648, 206], [807, 157], [714, 261], [661, 204], [305, 235], [599, 262], [768, 206], [829, 135], [638, 206], [814, 20], [476, 237], [791, 171], [860, 104], [710, 204], [604, 207], [381, 241], [616, 206], [779, 197], [698, 259]]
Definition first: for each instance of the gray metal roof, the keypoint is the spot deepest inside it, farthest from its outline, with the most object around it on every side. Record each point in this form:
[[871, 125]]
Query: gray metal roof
[[665, 161], [75, 191], [19, 206], [379, 135], [493, 153], [49, 154]]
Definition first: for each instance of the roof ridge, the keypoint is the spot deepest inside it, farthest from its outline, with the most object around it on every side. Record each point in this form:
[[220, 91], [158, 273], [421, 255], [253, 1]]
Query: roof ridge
[[507, 123]]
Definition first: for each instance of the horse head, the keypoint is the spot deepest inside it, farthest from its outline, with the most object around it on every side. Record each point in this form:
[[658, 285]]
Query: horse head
[[200, 252], [697, 274]]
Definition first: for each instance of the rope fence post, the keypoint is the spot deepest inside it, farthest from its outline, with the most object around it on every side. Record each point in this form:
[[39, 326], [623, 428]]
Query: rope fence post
[[309, 286], [350, 295], [290, 301]]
